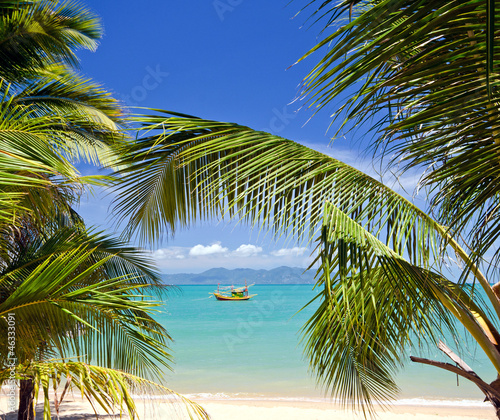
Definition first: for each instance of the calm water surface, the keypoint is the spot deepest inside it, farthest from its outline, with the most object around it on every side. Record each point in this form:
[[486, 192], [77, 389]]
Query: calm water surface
[[252, 349]]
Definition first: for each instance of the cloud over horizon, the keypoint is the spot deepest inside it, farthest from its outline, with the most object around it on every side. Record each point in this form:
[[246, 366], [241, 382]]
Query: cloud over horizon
[[199, 250], [200, 257]]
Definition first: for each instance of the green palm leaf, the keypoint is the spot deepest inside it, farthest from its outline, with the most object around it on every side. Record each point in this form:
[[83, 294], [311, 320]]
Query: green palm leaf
[[372, 305], [194, 168], [88, 120], [36, 33], [56, 289], [58, 286], [41, 137], [110, 389], [426, 72], [186, 168]]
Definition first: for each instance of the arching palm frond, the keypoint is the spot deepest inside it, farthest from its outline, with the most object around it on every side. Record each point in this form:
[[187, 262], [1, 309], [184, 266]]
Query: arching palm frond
[[30, 246], [380, 255], [110, 389], [30, 168], [194, 168], [26, 138], [64, 295], [373, 305], [63, 309], [89, 118], [41, 137], [426, 72]]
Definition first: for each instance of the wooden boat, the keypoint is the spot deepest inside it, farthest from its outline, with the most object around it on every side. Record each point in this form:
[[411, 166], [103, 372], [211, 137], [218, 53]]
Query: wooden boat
[[232, 293]]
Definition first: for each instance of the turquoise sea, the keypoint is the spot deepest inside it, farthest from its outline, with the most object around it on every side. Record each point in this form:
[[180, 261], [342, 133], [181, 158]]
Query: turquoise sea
[[252, 349]]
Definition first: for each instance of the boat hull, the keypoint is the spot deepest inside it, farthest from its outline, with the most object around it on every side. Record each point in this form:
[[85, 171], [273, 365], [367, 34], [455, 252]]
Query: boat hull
[[222, 297]]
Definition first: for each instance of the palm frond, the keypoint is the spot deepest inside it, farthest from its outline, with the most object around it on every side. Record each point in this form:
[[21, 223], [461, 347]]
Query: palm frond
[[89, 118], [426, 72], [374, 304], [192, 168], [36, 146], [186, 168], [112, 390], [66, 299], [36, 33]]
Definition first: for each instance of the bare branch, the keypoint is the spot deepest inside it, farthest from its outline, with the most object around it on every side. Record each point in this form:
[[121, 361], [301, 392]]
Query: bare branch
[[486, 388], [446, 350]]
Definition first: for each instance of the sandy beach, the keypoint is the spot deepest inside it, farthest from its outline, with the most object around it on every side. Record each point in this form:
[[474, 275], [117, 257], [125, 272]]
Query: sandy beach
[[76, 408], [272, 410]]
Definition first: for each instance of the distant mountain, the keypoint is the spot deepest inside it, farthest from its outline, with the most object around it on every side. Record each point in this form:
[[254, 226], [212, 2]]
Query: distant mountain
[[280, 275]]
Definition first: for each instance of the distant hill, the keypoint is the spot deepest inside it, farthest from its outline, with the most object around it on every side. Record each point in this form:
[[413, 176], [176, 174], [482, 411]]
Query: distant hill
[[280, 275]]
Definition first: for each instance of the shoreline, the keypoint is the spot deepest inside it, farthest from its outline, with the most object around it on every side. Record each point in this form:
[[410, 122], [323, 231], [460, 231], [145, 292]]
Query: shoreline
[[75, 408], [335, 411], [442, 402]]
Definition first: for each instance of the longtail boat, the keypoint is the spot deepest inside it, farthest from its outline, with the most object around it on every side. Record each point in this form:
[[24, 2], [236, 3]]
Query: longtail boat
[[232, 293]]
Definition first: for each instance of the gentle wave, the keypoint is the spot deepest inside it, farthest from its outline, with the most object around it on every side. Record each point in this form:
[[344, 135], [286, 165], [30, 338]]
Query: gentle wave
[[441, 403], [401, 402]]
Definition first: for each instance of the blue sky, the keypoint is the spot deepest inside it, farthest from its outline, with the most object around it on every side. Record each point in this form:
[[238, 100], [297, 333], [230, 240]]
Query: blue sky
[[226, 60]]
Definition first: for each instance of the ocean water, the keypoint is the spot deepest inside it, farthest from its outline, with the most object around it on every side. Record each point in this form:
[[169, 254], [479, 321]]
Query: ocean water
[[252, 349]]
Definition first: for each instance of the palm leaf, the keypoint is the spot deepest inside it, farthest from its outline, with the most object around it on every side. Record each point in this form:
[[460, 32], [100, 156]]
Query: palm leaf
[[67, 301], [186, 168], [89, 118], [232, 169], [36, 33], [373, 304], [110, 389], [426, 73]]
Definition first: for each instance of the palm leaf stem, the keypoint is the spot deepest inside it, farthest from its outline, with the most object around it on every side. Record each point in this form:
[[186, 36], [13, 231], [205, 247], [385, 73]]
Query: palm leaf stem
[[476, 326], [483, 281]]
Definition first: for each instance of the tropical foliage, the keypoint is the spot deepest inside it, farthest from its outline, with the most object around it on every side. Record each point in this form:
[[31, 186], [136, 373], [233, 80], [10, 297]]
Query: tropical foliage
[[425, 71], [79, 304], [426, 74], [379, 255], [49, 113]]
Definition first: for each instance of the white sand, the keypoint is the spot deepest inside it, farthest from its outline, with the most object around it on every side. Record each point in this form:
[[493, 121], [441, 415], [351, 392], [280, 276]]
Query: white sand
[[75, 408], [323, 411]]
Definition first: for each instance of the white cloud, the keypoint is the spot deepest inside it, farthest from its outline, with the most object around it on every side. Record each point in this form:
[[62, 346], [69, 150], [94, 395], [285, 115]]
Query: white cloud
[[289, 252], [201, 250], [200, 258], [247, 250], [172, 253]]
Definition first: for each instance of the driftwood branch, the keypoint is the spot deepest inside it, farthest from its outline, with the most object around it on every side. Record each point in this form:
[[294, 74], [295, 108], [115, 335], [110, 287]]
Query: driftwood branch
[[493, 398], [446, 350], [492, 391], [485, 387]]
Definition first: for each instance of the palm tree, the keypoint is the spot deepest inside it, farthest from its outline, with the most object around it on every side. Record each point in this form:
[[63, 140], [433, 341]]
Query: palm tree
[[36, 34], [79, 300], [426, 74], [50, 114], [78, 305], [380, 257]]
